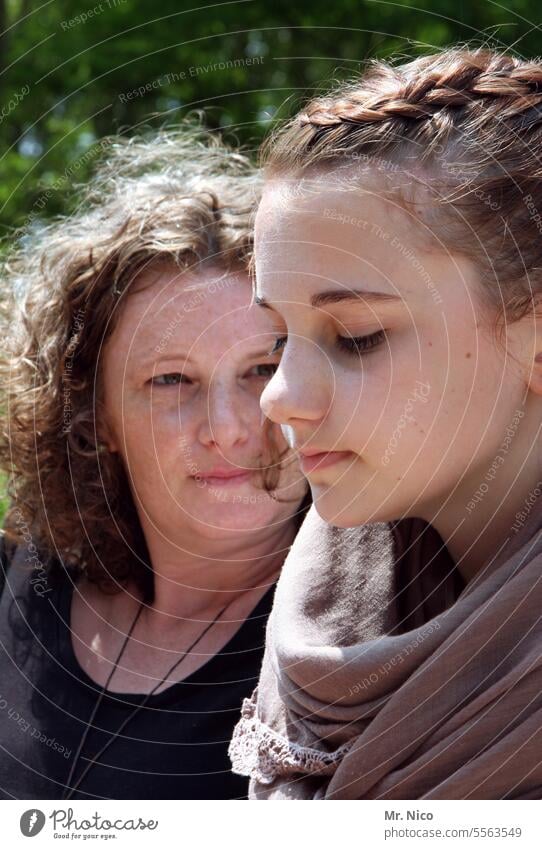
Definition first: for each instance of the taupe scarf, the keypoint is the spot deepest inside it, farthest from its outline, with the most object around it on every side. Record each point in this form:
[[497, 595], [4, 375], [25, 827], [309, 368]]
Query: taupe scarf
[[386, 677]]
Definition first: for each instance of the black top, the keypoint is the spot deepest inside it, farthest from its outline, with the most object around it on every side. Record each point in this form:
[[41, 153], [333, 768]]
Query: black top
[[174, 748]]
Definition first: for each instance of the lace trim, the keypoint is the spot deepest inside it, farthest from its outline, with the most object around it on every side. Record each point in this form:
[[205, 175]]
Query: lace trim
[[259, 752]]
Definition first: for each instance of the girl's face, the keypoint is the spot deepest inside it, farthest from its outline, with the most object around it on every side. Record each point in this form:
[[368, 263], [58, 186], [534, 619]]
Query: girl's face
[[387, 370], [183, 372]]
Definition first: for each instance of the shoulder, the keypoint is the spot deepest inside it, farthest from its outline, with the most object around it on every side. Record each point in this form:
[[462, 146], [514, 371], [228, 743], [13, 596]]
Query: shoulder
[[32, 602], [27, 567], [7, 551]]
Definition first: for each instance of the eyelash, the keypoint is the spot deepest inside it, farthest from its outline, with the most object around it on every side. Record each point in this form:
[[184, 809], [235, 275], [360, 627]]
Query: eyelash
[[187, 381], [348, 344]]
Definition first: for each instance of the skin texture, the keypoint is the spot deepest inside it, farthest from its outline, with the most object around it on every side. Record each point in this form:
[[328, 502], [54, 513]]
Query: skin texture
[[210, 543], [424, 414]]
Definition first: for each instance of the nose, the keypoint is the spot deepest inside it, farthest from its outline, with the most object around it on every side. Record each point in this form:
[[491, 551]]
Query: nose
[[297, 390], [224, 417]]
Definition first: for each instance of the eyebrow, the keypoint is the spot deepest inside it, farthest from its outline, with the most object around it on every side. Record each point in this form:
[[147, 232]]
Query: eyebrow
[[336, 296], [156, 357]]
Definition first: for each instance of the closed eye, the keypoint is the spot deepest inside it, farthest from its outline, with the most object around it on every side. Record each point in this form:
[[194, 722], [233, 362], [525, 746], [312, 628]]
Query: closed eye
[[361, 344], [349, 344]]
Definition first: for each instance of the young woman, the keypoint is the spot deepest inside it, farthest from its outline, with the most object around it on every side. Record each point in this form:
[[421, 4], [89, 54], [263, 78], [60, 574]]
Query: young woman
[[146, 550], [398, 252]]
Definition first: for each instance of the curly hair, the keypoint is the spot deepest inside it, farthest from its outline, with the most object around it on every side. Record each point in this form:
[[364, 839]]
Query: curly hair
[[465, 124], [180, 196]]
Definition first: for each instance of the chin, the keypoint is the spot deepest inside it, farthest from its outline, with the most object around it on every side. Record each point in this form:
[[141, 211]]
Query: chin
[[329, 509], [236, 519], [339, 511]]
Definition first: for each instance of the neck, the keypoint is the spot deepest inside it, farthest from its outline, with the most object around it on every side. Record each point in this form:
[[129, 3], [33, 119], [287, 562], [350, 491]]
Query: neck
[[196, 585], [482, 516]]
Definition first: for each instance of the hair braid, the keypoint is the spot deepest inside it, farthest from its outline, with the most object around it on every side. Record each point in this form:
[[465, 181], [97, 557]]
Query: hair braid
[[422, 87]]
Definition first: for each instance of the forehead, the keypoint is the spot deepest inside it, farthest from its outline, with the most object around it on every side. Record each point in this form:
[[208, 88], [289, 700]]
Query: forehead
[[337, 210], [167, 286], [185, 306], [334, 228]]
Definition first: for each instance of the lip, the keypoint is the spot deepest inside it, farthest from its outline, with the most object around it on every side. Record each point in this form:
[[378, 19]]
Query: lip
[[223, 477], [311, 460]]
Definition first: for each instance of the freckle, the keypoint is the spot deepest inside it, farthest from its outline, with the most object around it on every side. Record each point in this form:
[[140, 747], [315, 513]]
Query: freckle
[[430, 344], [467, 355]]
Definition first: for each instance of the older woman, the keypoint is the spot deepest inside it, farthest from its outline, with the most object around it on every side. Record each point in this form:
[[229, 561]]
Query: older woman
[[141, 549]]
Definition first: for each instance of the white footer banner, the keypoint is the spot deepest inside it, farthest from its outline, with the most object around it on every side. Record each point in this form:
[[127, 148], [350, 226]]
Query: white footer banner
[[273, 825]]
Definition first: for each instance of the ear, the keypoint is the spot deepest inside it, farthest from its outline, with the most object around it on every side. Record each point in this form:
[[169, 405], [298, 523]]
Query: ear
[[107, 445], [535, 377], [110, 446], [532, 345], [533, 330], [106, 437]]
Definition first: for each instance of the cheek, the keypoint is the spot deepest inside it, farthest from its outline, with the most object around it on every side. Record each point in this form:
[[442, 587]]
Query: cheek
[[405, 430], [385, 415], [151, 437], [249, 402], [364, 406]]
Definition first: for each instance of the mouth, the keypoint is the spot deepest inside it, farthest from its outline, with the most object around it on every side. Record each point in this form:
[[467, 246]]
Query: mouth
[[216, 478], [311, 461]]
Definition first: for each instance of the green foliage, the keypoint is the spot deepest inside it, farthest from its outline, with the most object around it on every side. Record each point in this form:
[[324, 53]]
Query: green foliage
[[74, 72]]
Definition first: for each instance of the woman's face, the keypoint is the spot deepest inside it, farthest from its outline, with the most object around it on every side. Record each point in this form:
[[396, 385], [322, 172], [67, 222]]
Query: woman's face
[[183, 372], [415, 411]]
